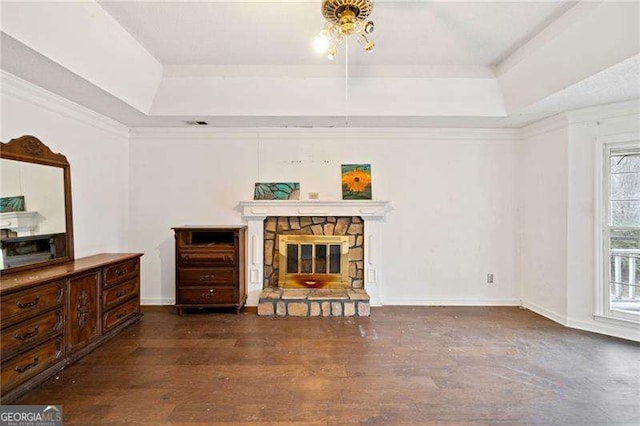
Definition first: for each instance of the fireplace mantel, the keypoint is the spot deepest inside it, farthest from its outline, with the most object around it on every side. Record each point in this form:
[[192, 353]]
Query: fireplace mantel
[[371, 211], [366, 209]]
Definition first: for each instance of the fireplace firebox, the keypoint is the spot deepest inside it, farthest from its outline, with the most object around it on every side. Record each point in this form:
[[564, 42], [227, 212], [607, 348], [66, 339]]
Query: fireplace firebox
[[313, 261]]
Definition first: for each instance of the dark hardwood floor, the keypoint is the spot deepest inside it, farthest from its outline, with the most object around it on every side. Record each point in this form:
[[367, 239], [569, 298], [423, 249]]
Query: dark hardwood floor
[[403, 365]]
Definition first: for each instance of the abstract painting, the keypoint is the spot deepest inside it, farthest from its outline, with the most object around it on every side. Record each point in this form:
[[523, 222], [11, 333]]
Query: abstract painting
[[277, 191], [356, 181], [12, 204]]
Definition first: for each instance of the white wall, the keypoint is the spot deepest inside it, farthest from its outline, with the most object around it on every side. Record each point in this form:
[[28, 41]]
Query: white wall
[[467, 202], [556, 214], [97, 149], [542, 218], [453, 195], [584, 129]]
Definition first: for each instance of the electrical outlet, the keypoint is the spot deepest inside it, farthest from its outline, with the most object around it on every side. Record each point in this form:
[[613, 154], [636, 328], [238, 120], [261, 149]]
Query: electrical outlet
[[313, 195], [489, 278]]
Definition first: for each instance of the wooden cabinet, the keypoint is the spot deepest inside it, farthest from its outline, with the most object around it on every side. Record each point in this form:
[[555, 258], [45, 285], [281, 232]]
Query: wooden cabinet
[[210, 268], [83, 318], [52, 316]]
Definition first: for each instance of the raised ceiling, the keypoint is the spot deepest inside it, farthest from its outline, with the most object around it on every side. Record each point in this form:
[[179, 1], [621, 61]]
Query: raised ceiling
[[251, 64], [281, 33]]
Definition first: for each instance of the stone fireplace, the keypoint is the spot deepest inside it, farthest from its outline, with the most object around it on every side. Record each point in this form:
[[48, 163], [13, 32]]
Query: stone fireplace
[[333, 256], [312, 235]]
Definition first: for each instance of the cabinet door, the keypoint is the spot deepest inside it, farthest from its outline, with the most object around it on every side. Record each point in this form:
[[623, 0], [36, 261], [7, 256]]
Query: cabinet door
[[84, 316]]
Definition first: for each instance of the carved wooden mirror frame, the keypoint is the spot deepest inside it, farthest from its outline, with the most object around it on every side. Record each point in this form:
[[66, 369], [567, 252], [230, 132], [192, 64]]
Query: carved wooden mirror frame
[[30, 149]]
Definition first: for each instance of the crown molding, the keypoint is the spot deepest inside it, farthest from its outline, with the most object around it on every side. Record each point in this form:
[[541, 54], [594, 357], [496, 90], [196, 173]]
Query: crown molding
[[582, 116], [543, 126], [17, 88], [389, 134]]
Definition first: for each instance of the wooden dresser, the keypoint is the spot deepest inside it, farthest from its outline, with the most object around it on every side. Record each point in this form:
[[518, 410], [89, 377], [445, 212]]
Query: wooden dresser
[[210, 268], [54, 315]]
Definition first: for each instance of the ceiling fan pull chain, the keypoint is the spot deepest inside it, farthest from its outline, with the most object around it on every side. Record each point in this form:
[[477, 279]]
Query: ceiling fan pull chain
[[346, 83]]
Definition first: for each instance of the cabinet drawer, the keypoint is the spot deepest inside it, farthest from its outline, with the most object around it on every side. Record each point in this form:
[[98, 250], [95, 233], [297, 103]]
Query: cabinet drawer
[[30, 332], [119, 272], [120, 314], [206, 276], [31, 302], [30, 363], [206, 295], [119, 293], [207, 258]]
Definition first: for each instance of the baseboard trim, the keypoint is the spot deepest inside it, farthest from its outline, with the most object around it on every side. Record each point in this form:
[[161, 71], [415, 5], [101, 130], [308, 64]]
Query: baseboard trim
[[157, 301], [553, 316], [391, 301], [628, 332], [619, 331]]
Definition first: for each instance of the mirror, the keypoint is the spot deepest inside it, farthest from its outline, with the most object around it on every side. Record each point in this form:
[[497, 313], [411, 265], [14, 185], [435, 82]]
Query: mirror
[[35, 206]]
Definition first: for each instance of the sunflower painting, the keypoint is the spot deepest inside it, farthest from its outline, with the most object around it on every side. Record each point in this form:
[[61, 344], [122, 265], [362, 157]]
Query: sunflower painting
[[356, 181]]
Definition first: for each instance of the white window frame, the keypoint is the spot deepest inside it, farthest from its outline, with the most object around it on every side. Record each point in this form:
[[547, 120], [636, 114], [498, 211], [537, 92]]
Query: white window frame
[[604, 146]]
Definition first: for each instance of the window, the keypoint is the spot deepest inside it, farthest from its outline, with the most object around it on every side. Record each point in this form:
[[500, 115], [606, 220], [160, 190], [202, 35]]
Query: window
[[621, 231]]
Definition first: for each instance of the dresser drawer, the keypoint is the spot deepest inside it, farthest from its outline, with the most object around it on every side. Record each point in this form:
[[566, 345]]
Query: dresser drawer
[[119, 272], [30, 363], [31, 302], [206, 295], [119, 293], [207, 258], [120, 314], [30, 332], [206, 276]]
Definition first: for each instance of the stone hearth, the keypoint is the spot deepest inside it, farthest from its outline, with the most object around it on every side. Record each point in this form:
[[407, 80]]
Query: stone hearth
[[314, 302]]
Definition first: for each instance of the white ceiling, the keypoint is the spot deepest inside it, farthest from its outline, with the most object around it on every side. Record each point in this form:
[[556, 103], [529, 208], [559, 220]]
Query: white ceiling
[[431, 56], [281, 33]]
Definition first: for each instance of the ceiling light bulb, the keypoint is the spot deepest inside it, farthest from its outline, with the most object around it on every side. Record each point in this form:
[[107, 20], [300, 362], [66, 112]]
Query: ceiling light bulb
[[321, 43], [368, 27], [331, 53]]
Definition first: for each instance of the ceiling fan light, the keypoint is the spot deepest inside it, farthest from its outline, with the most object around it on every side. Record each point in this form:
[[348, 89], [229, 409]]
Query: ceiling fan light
[[344, 18], [368, 27], [321, 43]]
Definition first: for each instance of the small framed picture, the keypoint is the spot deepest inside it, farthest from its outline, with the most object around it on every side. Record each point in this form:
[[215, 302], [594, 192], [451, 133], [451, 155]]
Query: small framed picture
[[277, 191], [356, 181]]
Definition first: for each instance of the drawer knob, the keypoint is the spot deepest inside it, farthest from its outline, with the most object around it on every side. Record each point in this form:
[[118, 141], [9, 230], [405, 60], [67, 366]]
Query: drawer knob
[[121, 271], [208, 295], [121, 293], [29, 366], [121, 315], [26, 305], [26, 336], [206, 277]]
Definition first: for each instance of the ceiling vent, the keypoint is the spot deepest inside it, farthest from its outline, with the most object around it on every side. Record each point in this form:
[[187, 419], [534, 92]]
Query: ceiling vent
[[196, 123]]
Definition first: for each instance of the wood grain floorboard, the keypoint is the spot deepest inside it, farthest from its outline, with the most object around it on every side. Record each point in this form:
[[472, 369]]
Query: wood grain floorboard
[[403, 365]]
